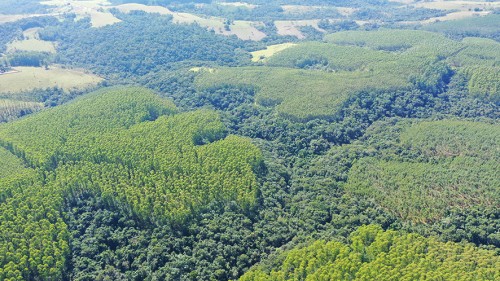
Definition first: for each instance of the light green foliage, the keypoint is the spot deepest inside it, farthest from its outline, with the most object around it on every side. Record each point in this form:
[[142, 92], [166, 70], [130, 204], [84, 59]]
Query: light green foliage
[[418, 42], [486, 26], [10, 164], [449, 138], [13, 174], [333, 72], [42, 136], [453, 164], [126, 144], [351, 62], [424, 191], [163, 171], [33, 237], [301, 94], [160, 170], [477, 52], [375, 254], [479, 60], [10, 109], [335, 57], [484, 82]]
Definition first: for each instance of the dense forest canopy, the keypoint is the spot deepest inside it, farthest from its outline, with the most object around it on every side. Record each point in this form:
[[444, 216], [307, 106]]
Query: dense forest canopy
[[249, 140]]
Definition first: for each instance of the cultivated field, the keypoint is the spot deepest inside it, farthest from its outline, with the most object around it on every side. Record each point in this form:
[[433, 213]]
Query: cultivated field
[[262, 55], [29, 78], [31, 42]]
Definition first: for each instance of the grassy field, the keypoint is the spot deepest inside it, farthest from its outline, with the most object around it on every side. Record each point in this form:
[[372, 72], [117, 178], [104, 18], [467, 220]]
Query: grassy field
[[29, 78], [262, 55], [31, 42], [13, 18], [34, 45], [238, 4]]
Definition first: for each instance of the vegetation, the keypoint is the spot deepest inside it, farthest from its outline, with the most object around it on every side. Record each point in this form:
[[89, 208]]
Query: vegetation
[[470, 27], [33, 78], [190, 168], [370, 153], [10, 109], [374, 254], [158, 44], [452, 164]]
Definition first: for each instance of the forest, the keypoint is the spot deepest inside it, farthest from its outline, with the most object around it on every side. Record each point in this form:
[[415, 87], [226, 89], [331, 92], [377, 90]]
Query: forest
[[367, 148]]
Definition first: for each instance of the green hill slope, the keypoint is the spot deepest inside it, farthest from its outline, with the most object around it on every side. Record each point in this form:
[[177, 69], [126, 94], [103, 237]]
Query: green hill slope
[[125, 144], [374, 254]]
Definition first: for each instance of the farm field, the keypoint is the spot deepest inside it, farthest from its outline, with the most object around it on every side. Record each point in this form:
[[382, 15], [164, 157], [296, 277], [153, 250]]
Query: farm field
[[29, 78], [12, 18], [262, 55], [31, 42]]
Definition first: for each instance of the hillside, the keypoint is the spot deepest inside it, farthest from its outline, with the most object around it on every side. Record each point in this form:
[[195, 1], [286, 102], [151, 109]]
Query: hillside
[[375, 255], [202, 140], [99, 143]]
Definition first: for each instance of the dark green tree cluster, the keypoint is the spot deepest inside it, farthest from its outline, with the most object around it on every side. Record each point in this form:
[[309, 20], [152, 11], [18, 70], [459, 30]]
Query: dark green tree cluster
[[140, 44]]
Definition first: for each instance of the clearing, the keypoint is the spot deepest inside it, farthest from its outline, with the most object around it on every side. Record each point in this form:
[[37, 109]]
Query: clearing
[[29, 78], [91, 8], [238, 4], [31, 42], [262, 55]]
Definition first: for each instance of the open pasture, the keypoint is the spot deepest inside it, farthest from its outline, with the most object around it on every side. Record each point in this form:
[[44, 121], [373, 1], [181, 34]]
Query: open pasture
[[31, 43], [262, 55], [29, 78]]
